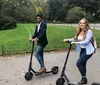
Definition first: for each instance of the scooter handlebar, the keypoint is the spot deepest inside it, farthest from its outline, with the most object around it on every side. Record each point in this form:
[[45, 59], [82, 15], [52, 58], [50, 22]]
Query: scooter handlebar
[[67, 40]]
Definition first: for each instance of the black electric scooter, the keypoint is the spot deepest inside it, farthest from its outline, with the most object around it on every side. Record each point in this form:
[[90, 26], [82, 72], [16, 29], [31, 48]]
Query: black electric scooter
[[63, 77], [28, 76]]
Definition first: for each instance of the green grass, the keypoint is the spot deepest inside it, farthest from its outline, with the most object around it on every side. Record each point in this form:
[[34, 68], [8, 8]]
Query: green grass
[[56, 34], [16, 40]]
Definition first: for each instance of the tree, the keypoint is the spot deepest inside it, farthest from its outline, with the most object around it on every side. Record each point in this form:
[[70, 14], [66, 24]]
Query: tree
[[6, 22], [74, 14], [56, 10], [89, 6], [42, 8], [89, 17], [20, 10], [96, 9], [26, 10]]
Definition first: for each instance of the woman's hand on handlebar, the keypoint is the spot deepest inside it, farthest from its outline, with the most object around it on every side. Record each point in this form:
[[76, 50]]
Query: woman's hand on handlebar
[[74, 42], [68, 40], [65, 40]]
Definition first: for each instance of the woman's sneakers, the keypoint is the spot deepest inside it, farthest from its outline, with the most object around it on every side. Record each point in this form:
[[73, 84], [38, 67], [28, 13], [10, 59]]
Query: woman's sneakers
[[83, 81]]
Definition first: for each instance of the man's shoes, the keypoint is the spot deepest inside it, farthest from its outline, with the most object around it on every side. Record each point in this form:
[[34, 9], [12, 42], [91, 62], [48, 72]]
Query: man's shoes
[[41, 71], [83, 81]]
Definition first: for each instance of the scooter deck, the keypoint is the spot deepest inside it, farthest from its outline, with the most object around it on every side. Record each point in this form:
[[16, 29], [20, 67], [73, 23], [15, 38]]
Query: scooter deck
[[69, 83], [94, 83], [40, 73]]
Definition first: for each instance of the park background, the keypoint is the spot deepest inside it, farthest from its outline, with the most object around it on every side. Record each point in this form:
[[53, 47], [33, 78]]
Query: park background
[[17, 22]]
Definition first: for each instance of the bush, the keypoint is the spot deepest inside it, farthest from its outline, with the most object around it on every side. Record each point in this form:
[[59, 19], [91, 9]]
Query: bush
[[7, 23], [74, 15], [89, 17], [24, 15]]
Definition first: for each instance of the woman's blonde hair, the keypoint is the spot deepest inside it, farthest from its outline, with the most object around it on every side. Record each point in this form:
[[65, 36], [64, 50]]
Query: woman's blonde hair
[[78, 30], [87, 27]]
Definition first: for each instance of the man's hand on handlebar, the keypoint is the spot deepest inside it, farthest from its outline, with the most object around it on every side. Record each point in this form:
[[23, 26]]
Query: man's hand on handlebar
[[32, 40]]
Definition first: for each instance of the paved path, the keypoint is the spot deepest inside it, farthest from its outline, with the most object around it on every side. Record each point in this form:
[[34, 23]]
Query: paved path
[[92, 25], [13, 68]]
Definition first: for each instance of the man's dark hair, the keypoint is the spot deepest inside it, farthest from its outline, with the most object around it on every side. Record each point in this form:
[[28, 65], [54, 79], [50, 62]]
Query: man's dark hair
[[39, 15]]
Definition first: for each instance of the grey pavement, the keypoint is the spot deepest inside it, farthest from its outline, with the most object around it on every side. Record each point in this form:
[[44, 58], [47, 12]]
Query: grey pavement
[[92, 25], [13, 68]]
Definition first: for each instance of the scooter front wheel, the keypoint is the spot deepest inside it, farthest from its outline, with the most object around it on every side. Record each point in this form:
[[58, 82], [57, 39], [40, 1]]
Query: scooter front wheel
[[28, 76], [60, 81], [55, 69]]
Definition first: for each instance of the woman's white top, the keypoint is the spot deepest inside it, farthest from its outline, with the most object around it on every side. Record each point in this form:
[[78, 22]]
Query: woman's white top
[[80, 38]]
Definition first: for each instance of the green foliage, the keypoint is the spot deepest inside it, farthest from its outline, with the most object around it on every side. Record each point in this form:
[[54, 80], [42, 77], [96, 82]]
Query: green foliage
[[89, 17], [74, 15], [24, 14], [7, 23], [20, 10], [42, 8], [56, 10], [26, 10]]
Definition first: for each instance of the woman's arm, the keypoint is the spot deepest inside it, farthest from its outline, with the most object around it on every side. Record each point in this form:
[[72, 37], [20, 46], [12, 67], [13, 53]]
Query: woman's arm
[[87, 39]]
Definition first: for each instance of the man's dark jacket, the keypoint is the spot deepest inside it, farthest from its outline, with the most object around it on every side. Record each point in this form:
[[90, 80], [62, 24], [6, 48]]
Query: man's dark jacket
[[41, 34]]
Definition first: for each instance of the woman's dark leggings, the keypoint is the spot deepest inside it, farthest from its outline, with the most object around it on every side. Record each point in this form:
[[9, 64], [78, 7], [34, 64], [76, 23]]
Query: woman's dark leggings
[[81, 63]]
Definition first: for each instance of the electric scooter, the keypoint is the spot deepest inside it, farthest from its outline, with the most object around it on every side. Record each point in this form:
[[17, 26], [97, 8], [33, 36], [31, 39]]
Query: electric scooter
[[63, 77], [28, 76]]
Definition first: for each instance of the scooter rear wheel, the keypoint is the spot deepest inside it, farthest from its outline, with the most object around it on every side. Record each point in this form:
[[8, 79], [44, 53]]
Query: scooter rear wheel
[[55, 69], [28, 76], [60, 81]]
